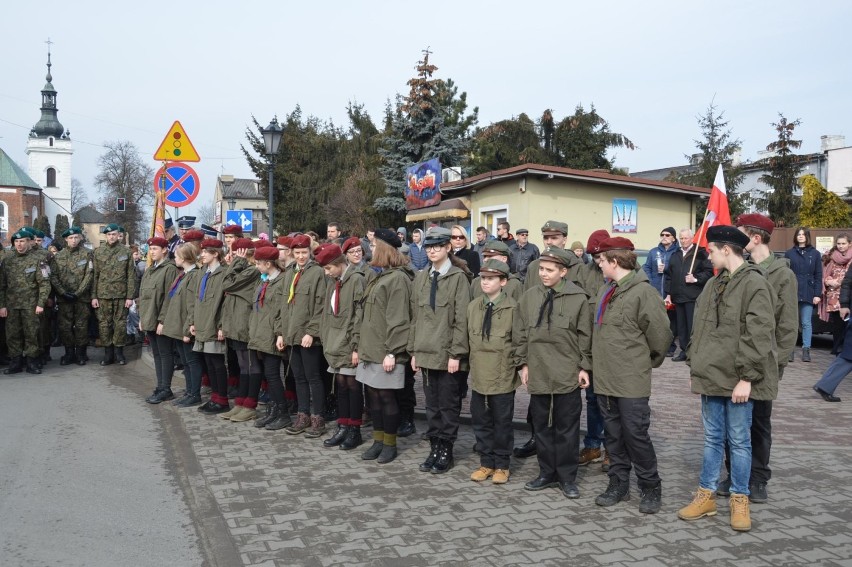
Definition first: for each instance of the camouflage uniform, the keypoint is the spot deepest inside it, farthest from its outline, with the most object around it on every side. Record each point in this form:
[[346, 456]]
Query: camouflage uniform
[[24, 285], [71, 277], [114, 281]]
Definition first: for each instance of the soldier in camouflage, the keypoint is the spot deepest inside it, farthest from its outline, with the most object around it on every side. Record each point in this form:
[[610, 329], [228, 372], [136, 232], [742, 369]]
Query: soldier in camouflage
[[113, 285], [24, 288], [71, 277]]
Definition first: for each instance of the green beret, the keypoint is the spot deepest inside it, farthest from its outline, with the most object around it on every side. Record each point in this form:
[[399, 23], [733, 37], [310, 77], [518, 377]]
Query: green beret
[[28, 230], [38, 233], [72, 230], [111, 227], [22, 234]]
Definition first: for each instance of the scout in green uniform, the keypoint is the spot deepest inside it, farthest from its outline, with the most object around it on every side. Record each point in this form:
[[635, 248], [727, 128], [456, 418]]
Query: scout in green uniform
[[498, 250], [631, 320], [114, 280], [72, 281], [732, 351], [153, 292], [438, 343], [553, 342], [24, 288], [493, 370]]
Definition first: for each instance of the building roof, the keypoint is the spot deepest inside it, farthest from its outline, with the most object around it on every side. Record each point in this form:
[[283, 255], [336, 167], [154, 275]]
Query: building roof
[[89, 214], [665, 172], [464, 186], [13, 176], [240, 189]]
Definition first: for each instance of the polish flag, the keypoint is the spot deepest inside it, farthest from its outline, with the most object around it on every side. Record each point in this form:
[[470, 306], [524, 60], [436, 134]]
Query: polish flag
[[717, 209]]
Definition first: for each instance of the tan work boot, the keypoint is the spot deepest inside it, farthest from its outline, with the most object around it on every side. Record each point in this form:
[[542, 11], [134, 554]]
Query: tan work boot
[[245, 414], [590, 455], [740, 517], [480, 474], [704, 504], [231, 412], [501, 476]]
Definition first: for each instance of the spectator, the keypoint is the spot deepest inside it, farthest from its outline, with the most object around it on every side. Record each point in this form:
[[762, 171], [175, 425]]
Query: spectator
[[461, 249], [523, 253], [688, 270], [503, 234], [402, 233], [482, 237], [332, 231], [419, 259], [579, 252], [806, 263], [655, 267], [835, 264]]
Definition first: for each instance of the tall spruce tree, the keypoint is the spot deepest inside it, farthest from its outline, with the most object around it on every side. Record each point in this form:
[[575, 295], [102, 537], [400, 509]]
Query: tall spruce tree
[[60, 226], [431, 122], [783, 169]]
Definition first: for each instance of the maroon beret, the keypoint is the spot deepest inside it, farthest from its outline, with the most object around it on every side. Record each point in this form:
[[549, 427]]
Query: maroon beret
[[193, 236], [301, 241], [263, 243], [351, 242], [268, 253], [755, 220], [234, 229], [327, 253], [211, 243], [615, 243], [285, 241], [242, 243], [595, 240], [158, 241]]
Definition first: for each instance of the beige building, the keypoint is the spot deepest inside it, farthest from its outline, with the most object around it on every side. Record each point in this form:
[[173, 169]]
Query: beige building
[[234, 194], [528, 195]]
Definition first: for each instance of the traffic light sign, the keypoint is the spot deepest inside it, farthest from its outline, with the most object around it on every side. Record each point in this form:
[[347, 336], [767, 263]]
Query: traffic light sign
[[119, 205]]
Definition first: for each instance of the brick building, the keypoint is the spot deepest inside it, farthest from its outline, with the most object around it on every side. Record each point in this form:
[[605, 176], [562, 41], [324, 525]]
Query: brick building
[[21, 199]]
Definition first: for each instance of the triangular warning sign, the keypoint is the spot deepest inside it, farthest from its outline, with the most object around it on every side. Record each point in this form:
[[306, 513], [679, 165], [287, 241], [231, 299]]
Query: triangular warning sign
[[176, 146]]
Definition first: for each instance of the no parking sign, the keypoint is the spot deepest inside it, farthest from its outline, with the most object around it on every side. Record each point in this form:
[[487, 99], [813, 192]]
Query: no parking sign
[[180, 183]]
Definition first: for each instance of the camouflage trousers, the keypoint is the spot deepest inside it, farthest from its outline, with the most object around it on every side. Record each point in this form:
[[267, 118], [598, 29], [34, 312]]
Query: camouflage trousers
[[74, 323], [112, 322], [22, 329]]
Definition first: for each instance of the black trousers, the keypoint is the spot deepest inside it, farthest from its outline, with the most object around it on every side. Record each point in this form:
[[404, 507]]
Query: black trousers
[[492, 427], [191, 361], [683, 314], [218, 377], [761, 442], [443, 404], [308, 371], [626, 422], [556, 418], [406, 398], [164, 361], [268, 366]]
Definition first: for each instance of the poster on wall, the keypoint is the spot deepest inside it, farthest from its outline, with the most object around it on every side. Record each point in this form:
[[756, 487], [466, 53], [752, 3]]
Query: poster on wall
[[824, 243], [423, 185], [625, 214]]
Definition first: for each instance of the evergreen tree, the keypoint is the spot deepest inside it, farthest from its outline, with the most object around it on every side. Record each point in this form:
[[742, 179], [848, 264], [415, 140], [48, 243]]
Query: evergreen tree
[[507, 143], [42, 224], [431, 122], [783, 168], [61, 225], [820, 207], [581, 141]]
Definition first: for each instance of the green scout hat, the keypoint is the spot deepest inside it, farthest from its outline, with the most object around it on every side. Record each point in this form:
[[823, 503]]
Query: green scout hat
[[555, 227], [22, 234], [557, 255], [437, 235], [495, 247], [72, 230], [493, 267], [111, 227]]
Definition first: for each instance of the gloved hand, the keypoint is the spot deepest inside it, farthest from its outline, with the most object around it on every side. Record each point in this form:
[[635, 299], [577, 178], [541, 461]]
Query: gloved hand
[[69, 296]]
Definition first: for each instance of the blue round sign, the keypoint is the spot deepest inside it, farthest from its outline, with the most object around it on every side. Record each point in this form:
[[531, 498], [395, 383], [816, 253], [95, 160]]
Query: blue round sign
[[180, 183]]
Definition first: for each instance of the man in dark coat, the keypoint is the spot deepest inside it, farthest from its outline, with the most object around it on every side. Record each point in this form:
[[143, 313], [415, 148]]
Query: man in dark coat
[[685, 275]]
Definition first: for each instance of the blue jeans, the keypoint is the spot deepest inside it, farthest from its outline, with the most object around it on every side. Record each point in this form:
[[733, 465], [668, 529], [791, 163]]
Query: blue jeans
[[834, 375], [723, 419], [806, 312], [594, 420]]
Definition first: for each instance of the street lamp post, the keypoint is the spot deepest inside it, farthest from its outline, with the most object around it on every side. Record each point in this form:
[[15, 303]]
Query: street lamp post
[[232, 203], [271, 141]]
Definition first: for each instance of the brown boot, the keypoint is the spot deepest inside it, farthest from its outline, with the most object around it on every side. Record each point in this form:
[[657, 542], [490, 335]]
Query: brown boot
[[740, 517], [482, 473], [605, 462], [303, 421], [317, 428], [590, 455], [704, 504]]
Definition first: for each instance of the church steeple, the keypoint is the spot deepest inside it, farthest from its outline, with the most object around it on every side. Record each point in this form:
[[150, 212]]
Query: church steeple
[[49, 125]]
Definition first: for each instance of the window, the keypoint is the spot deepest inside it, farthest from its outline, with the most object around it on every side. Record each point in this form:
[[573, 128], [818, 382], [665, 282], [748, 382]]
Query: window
[[492, 216], [50, 141], [51, 177], [35, 214], [4, 219]]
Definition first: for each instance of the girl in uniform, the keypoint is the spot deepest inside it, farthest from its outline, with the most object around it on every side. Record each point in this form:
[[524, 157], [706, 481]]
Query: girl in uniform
[[179, 308], [153, 291], [207, 324]]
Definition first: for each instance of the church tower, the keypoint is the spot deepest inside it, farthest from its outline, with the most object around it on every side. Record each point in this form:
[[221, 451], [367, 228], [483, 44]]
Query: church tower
[[49, 155]]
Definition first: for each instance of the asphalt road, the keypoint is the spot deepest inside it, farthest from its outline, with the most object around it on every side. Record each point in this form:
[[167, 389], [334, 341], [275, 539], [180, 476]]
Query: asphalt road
[[85, 475]]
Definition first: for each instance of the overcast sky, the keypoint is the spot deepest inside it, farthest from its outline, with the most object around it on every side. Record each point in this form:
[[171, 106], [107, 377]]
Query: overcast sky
[[127, 70]]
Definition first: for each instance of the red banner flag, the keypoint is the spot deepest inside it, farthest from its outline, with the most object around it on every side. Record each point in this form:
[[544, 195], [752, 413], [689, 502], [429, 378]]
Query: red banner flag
[[718, 212]]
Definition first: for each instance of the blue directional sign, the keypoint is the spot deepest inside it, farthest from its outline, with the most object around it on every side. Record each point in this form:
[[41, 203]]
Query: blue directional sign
[[239, 218]]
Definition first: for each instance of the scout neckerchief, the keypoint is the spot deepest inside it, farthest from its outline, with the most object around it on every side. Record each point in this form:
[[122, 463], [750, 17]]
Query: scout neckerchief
[[547, 306], [293, 284], [603, 304], [335, 296], [176, 284], [489, 313], [719, 288]]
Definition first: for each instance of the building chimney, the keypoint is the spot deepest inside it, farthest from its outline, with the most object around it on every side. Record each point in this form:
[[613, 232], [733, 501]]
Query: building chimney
[[832, 142]]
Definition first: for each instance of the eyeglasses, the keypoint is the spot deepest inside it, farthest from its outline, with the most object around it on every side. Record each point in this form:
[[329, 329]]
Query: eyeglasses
[[666, 234], [354, 251], [433, 247], [457, 237]]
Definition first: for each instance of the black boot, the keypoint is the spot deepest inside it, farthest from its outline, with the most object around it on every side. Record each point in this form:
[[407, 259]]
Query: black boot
[[528, 449], [651, 498], [68, 357], [273, 412], [119, 355], [353, 438], [433, 455], [82, 357], [32, 367], [338, 437], [614, 493], [15, 365], [109, 356], [445, 459], [280, 422], [373, 452], [407, 427]]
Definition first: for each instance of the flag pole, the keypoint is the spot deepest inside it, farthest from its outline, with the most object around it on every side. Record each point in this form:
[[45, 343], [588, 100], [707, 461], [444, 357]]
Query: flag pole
[[696, 240]]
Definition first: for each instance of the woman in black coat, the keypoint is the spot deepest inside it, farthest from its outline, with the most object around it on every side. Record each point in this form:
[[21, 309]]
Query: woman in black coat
[[806, 263], [462, 249]]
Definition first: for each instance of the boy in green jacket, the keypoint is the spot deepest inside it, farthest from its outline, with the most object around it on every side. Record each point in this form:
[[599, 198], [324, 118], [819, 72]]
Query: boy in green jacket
[[493, 371]]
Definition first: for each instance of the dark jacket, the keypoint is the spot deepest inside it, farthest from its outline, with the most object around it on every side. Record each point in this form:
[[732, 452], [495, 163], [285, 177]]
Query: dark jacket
[[806, 263], [675, 274], [650, 267], [522, 257], [472, 259]]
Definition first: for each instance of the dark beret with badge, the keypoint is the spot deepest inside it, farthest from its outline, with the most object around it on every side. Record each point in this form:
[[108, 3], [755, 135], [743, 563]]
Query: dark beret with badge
[[211, 243], [158, 241], [112, 227], [267, 253], [595, 240], [615, 243], [73, 230], [234, 229], [193, 236], [327, 253], [388, 236], [726, 234], [22, 235]]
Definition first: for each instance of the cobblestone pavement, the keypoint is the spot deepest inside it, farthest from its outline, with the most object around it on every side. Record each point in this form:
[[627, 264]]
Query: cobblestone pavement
[[288, 501]]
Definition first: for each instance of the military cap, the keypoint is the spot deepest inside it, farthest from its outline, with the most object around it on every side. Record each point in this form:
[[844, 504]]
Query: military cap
[[72, 230], [186, 222], [242, 243], [522, 231], [234, 229], [615, 243], [193, 236], [38, 233], [388, 236], [350, 243], [28, 230], [327, 253], [209, 231], [285, 241], [112, 227], [495, 247], [758, 221], [726, 234], [22, 235], [268, 253], [211, 243], [437, 235], [554, 227], [492, 267], [168, 223], [557, 255], [301, 241]]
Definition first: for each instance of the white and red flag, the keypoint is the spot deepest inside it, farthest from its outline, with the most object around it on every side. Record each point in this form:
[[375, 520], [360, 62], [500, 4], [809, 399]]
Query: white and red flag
[[718, 212]]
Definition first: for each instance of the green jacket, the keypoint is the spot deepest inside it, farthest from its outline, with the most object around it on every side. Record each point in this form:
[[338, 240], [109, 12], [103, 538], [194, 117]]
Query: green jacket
[[632, 339], [241, 281], [514, 288], [493, 364], [591, 278], [180, 307], [262, 318], [786, 290], [557, 350], [573, 274], [733, 337], [207, 315], [24, 281], [115, 273], [73, 273], [337, 332], [303, 315], [385, 318], [436, 336], [153, 291]]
